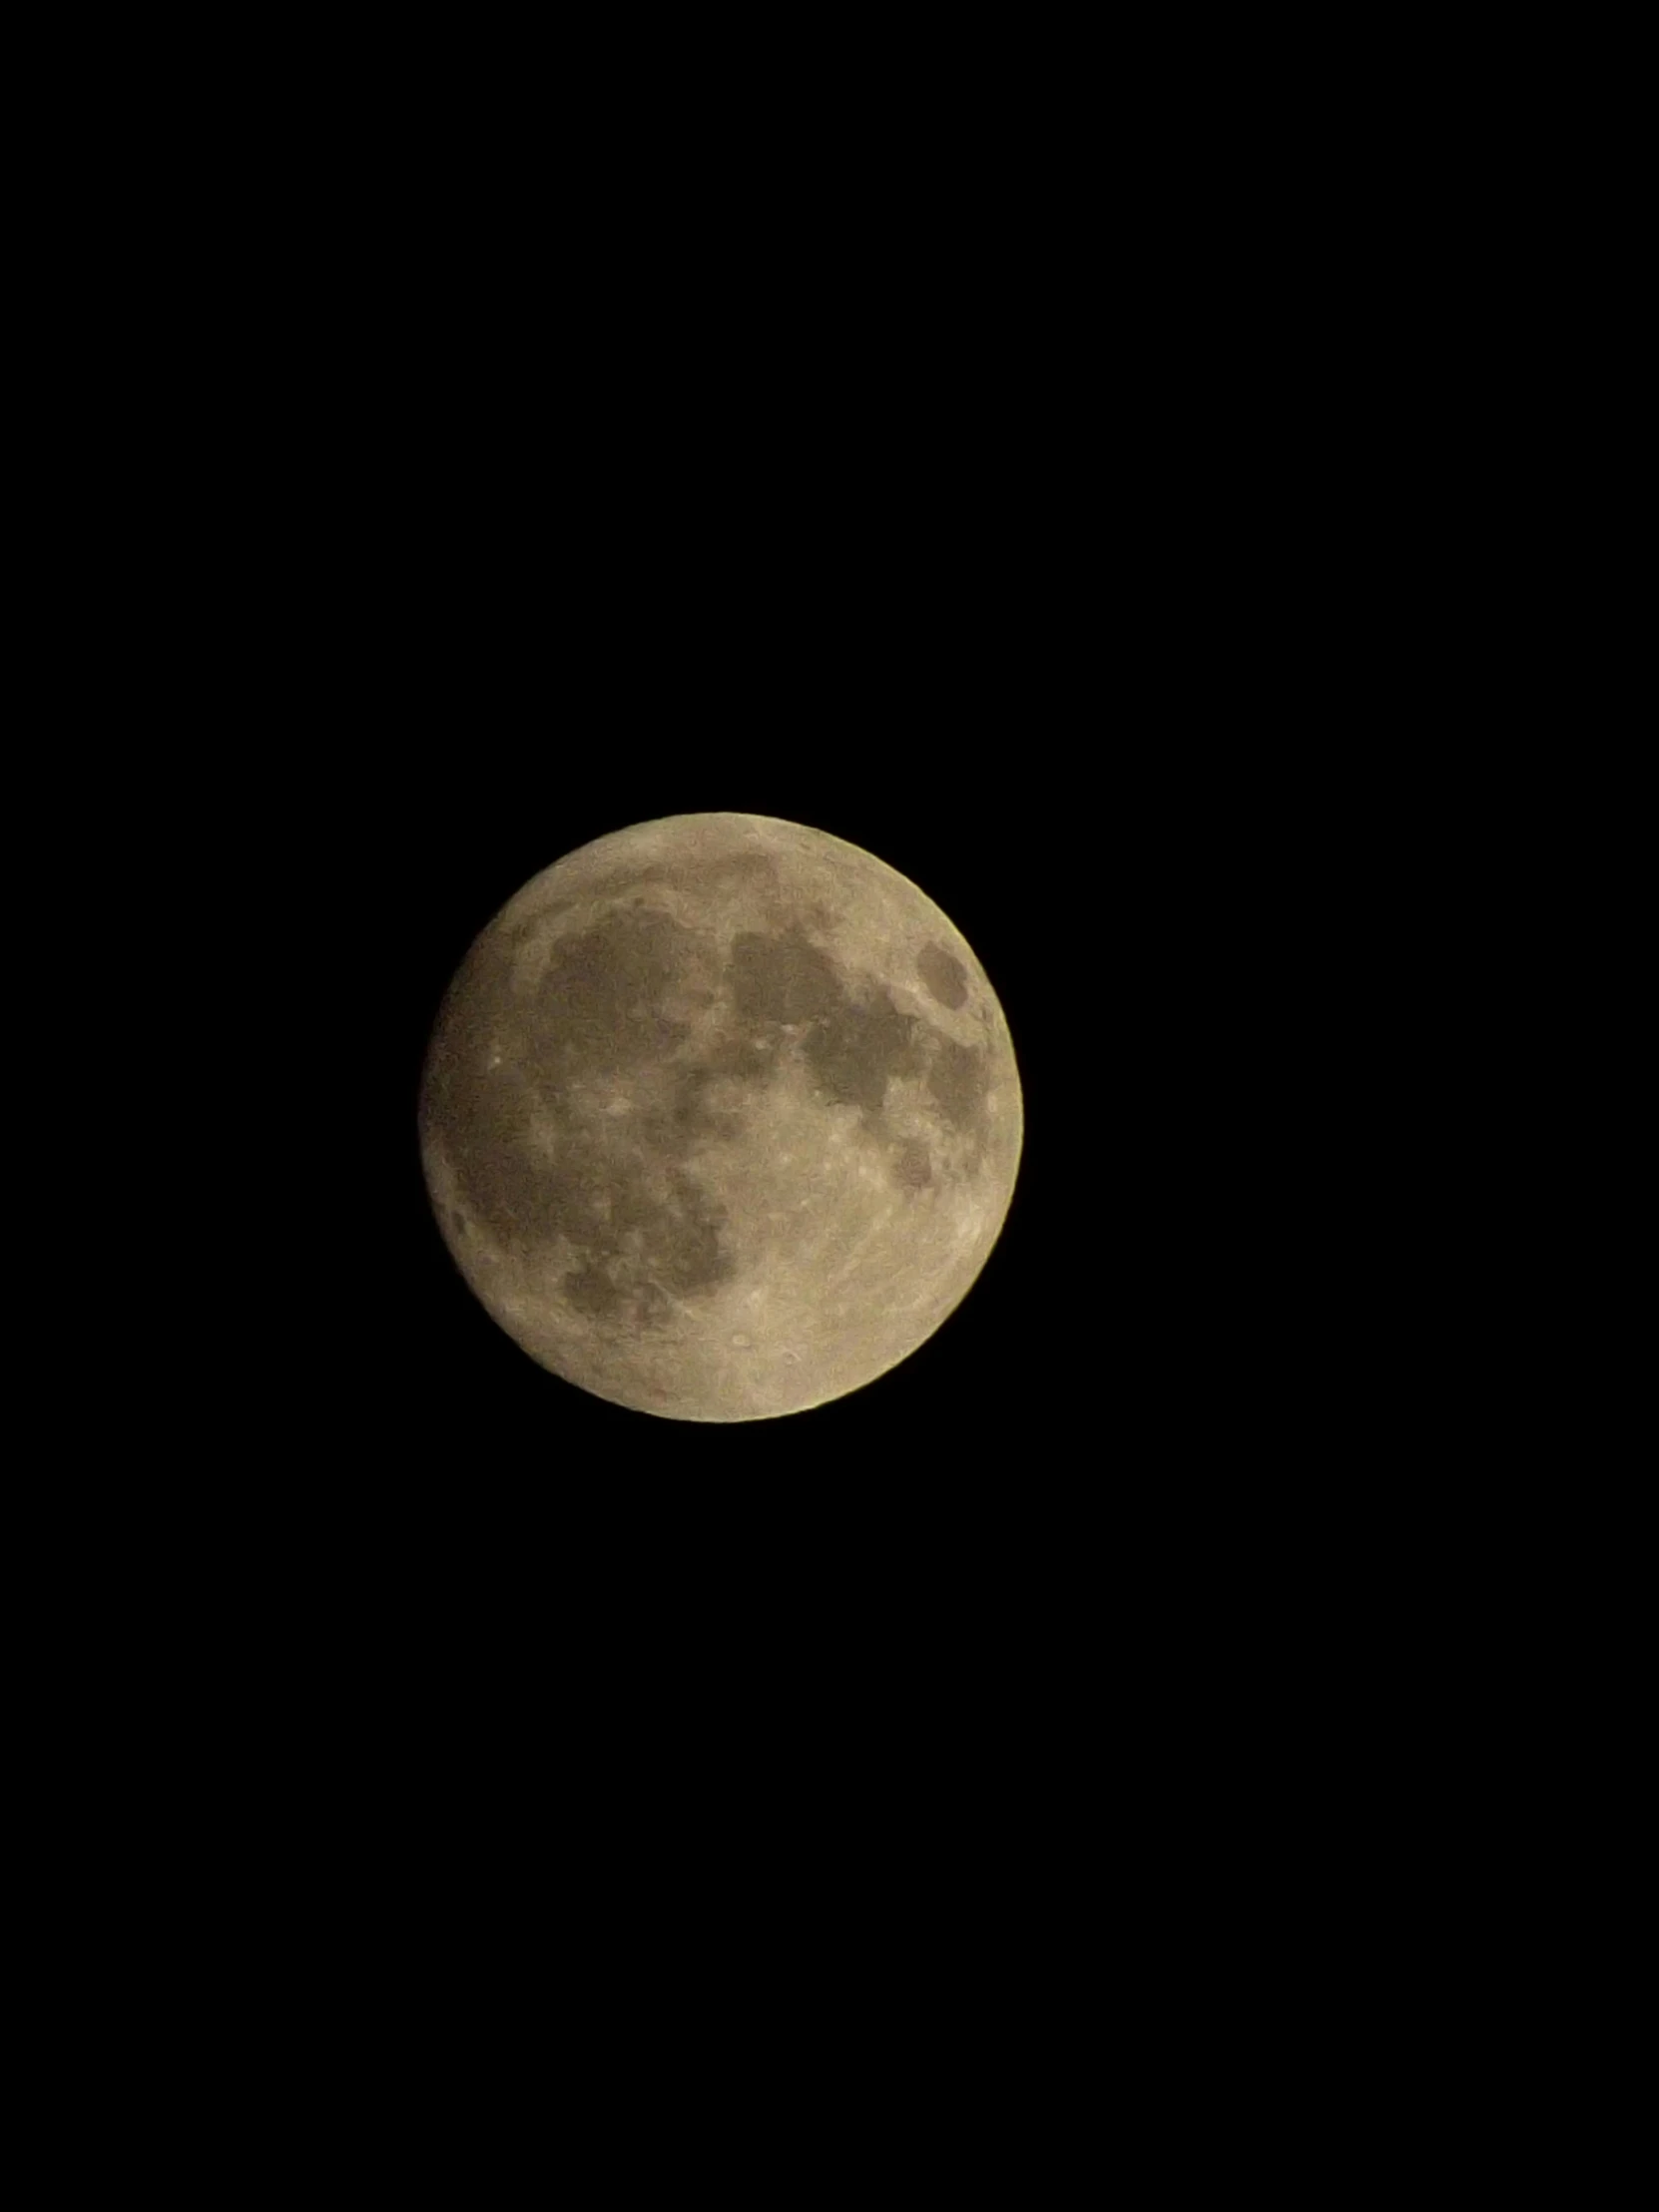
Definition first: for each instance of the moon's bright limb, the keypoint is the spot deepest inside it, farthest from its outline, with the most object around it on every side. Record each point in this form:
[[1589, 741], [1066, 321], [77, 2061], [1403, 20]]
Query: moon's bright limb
[[721, 1117]]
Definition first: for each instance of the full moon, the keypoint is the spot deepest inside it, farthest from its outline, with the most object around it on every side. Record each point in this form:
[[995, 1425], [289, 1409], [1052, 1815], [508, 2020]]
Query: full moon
[[720, 1118]]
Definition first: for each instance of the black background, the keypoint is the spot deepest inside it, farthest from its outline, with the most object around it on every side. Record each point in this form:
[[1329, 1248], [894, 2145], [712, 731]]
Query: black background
[[1058, 512], [501, 612], [986, 551]]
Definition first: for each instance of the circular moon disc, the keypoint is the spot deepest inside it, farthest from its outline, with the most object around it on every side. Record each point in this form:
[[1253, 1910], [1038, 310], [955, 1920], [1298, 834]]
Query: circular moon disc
[[720, 1118]]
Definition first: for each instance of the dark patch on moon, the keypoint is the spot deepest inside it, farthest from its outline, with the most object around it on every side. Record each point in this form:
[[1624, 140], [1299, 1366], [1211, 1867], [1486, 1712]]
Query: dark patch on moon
[[701, 1108], [691, 1112], [532, 1168], [598, 1001], [691, 1257], [945, 976], [675, 1249], [518, 1194], [591, 1291], [957, 1081], [855, 1053], [854, 1047], [782, 978], [911, 1168], [749, 1056], [634, 1255]]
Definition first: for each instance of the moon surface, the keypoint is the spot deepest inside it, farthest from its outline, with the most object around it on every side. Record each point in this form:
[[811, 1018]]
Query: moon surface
[[720, 1118]]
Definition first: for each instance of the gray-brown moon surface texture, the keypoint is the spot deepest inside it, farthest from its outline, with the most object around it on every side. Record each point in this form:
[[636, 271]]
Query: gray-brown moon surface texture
[[720, 1118]]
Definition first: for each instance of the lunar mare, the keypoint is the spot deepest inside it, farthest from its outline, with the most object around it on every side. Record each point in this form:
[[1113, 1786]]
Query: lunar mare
[[720, 1118]]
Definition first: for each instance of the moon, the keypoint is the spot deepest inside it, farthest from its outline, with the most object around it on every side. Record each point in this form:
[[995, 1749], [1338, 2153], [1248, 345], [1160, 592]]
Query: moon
[[720, 1118]]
